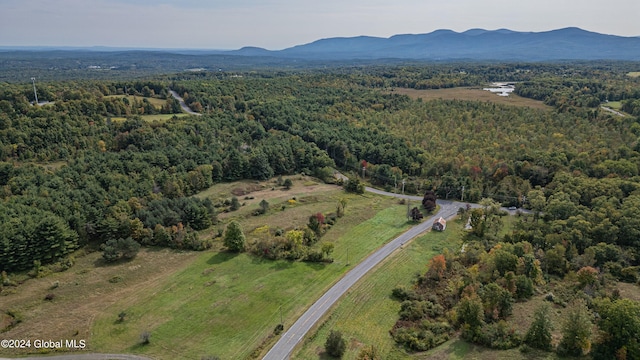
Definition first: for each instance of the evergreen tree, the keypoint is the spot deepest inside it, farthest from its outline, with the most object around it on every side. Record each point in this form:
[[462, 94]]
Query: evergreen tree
[[234, 238], [335, 344]]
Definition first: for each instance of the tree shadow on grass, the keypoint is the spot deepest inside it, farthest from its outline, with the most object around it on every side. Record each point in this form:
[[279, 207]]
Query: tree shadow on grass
[[282, 265], [221, 257], [316, 265]]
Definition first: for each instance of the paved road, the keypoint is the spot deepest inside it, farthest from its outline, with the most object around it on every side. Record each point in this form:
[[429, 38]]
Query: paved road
[[285, 345], [86, 357], [183, 105]]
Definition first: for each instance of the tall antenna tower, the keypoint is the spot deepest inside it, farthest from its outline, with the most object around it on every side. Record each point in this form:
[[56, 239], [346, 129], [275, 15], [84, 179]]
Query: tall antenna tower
[[34, 90]]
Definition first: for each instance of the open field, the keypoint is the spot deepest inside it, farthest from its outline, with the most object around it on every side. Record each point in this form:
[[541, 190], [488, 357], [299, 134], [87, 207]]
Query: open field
[[83, 291], [615, 105], [474, 94], [367, 313], [157, 103], [152, 118], [634, 74], [197, 304], [227, 304]]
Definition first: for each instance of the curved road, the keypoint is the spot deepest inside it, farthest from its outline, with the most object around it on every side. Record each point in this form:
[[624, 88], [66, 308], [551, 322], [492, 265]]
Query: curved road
[[183, 105], [288, 341]]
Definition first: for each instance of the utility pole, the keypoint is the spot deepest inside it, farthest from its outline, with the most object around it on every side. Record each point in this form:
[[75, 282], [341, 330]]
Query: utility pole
[[462, 196], [281, 323], [34, 90], [403, 186], [364, 168]]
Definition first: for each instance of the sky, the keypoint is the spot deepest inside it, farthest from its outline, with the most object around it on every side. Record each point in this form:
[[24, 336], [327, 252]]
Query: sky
[[279, 24]]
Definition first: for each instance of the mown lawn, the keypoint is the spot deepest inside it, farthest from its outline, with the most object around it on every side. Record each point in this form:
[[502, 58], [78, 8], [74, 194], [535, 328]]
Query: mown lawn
[[227, 304]]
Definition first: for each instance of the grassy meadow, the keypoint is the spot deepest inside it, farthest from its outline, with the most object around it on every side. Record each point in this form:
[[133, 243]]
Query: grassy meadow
[[196, 304], [367, 313], [227, 304], [472, 94]]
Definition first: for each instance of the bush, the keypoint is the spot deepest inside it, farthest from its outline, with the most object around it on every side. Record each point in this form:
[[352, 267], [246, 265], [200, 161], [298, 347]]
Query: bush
[[500, 336], [314, 256], [145, 337], [369, 353], [524, 287], [629, 274], [235, 204], [114, 250], [402, 293]]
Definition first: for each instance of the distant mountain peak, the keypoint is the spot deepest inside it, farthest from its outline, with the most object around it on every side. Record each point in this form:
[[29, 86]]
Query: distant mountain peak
[[570, 43]]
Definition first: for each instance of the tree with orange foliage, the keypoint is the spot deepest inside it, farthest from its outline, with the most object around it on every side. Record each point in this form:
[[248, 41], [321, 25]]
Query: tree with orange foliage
[[437, 267]]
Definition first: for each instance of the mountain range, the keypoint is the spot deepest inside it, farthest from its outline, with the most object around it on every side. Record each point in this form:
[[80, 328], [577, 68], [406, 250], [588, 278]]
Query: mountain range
[[475, 44]]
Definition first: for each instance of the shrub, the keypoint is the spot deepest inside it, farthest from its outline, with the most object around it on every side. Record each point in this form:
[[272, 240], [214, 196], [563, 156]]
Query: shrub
[[314, 256], [369, 353], [500, 336], [524, 287], [114, 250], [122, 316], [50, 296], [235, 204], [402, 293], [145, 337]]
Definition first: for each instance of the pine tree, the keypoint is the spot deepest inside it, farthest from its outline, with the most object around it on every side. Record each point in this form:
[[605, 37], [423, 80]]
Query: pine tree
[[234, 238], [335, 344]]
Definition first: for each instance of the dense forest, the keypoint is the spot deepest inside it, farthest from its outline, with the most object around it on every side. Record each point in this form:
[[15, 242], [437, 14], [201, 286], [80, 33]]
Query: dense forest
[[74, 173]]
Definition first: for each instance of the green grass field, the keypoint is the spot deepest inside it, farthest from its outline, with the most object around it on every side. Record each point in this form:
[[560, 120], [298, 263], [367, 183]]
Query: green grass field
[[473, 94], [367, 313], [227, 304], [615, 105], [157, 103]]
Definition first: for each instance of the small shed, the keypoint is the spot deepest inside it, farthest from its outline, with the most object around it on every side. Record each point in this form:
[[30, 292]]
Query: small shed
[[440, 224]]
